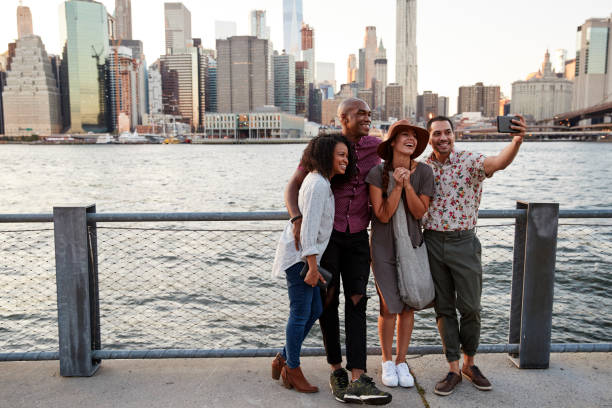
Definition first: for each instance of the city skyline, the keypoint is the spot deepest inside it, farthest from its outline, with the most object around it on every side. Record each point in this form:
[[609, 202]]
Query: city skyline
[[476, 42]]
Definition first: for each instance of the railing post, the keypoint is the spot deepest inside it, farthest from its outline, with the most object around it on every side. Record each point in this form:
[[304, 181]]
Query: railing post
[[77, 291], [538, 285], [518, 268]]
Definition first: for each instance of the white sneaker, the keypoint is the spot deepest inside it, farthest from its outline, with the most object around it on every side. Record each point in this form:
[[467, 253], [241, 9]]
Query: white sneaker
[[389, 374], [403, 374]]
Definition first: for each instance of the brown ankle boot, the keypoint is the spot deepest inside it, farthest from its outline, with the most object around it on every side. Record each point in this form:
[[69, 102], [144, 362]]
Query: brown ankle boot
[[294, 378], [277, 365]]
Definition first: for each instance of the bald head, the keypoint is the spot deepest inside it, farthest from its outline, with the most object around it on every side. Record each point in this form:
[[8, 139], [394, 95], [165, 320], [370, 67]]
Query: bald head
[[349, 104], [355, 118]]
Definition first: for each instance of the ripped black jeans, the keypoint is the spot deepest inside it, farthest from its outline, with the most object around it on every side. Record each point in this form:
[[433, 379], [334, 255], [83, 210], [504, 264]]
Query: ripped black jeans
[[347, 256]]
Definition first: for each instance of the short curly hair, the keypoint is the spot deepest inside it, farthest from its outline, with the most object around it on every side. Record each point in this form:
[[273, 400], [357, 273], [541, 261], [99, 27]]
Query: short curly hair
[[319, 156]]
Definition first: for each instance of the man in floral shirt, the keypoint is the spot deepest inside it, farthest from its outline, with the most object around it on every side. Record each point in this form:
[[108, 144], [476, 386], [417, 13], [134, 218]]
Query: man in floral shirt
[[453, 248]]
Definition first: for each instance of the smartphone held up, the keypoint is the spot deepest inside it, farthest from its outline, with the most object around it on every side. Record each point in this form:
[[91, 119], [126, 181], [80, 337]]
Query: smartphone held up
[[504, 123]]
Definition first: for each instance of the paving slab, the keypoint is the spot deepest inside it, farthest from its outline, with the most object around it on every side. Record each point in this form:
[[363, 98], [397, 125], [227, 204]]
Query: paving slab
[[573, 380]]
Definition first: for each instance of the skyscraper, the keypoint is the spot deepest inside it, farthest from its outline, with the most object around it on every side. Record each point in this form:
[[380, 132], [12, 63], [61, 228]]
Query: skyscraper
[[593, 80], [479, 98], [301, 88], [178, 27], [406, 55], [292, 22], [211, 86], [361, 73], [123, 16], [257, 24], [393, 101], [122, 89], [155, 89], [369, 45], [308, 52], [242, 73], [380, 74], [182, 69], [351, 69], [31, 98], [84, 32], [24, 21], [140, 67], [284, 82]]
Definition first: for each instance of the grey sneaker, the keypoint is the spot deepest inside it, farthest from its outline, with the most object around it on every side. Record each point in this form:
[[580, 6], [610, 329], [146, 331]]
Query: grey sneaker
[[338, 381], [363, 391]]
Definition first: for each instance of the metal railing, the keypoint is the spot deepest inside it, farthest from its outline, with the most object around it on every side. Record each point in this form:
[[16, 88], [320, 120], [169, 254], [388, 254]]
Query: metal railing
[[185, 291]]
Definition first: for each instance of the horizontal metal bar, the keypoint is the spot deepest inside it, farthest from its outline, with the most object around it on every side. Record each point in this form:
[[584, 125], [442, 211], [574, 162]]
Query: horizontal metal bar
[[257, 216], [30, 356], [585, 213], [188, 216], [310, 351], [21, 218]]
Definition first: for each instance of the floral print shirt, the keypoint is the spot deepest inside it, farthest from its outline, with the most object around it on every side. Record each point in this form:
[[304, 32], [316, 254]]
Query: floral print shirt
[[458, 190]]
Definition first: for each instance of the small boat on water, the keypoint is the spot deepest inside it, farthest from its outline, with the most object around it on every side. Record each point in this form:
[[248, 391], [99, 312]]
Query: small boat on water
[[105, 139], [132, 138]]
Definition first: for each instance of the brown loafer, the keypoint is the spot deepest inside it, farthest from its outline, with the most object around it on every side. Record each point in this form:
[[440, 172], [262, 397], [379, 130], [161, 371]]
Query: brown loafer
[[448, 384], [277, 365], [475, 376], [294, 378]]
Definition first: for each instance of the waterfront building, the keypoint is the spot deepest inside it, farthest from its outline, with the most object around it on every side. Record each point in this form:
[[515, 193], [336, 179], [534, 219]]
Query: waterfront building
[[123, 19], [301, 88], [243, 74], [361, 73], [593, 76], [308, 52], [85, 37], [394, 100], [315, 100], [479, 98], [140, 66], [329, 111], [24, 21], [203, 58], [155, 89], [427, 106], [211, 86], [292, 22], [349, 90], [182, 89], [31, 97], [178, 27], [406, 54], [326, 74], [351, 69], [370, 50], [257, 25], [284, 82], [267, 123], [122, 89], [543, 95], [224, 29], [443, 105]]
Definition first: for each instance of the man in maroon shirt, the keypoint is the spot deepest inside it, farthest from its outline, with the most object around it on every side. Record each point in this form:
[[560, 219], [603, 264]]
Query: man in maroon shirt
[[347, 256]]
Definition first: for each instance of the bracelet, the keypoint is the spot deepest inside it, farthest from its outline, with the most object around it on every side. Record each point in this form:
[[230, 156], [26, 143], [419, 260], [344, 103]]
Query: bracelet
[[297, 217]]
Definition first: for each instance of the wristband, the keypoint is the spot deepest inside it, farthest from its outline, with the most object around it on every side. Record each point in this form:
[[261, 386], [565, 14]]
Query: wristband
[[297, 217]]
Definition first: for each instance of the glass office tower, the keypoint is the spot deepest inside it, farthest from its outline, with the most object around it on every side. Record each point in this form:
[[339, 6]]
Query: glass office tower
[[84, 33]]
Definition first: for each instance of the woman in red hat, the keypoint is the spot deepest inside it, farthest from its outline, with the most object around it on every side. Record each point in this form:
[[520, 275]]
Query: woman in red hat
[[398, 181]]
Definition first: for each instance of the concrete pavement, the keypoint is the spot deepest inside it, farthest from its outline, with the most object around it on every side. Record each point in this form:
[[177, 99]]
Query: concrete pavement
[[573, 380]]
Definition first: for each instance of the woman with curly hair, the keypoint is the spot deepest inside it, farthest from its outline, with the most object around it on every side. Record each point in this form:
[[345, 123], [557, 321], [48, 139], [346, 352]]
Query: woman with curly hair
[[400, 183], [325, 158]]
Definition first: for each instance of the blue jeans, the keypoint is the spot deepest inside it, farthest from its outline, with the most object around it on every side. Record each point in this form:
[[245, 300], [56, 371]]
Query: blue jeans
[[305, 307]]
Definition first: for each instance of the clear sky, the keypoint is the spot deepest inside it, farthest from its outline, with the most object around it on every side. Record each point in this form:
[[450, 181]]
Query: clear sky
[[458, 42]]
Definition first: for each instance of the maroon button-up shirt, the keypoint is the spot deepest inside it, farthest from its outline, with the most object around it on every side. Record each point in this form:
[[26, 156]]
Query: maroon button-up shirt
[[352, 197]]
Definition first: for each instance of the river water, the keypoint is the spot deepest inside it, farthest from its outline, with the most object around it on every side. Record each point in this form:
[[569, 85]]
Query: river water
[[191, 285]]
